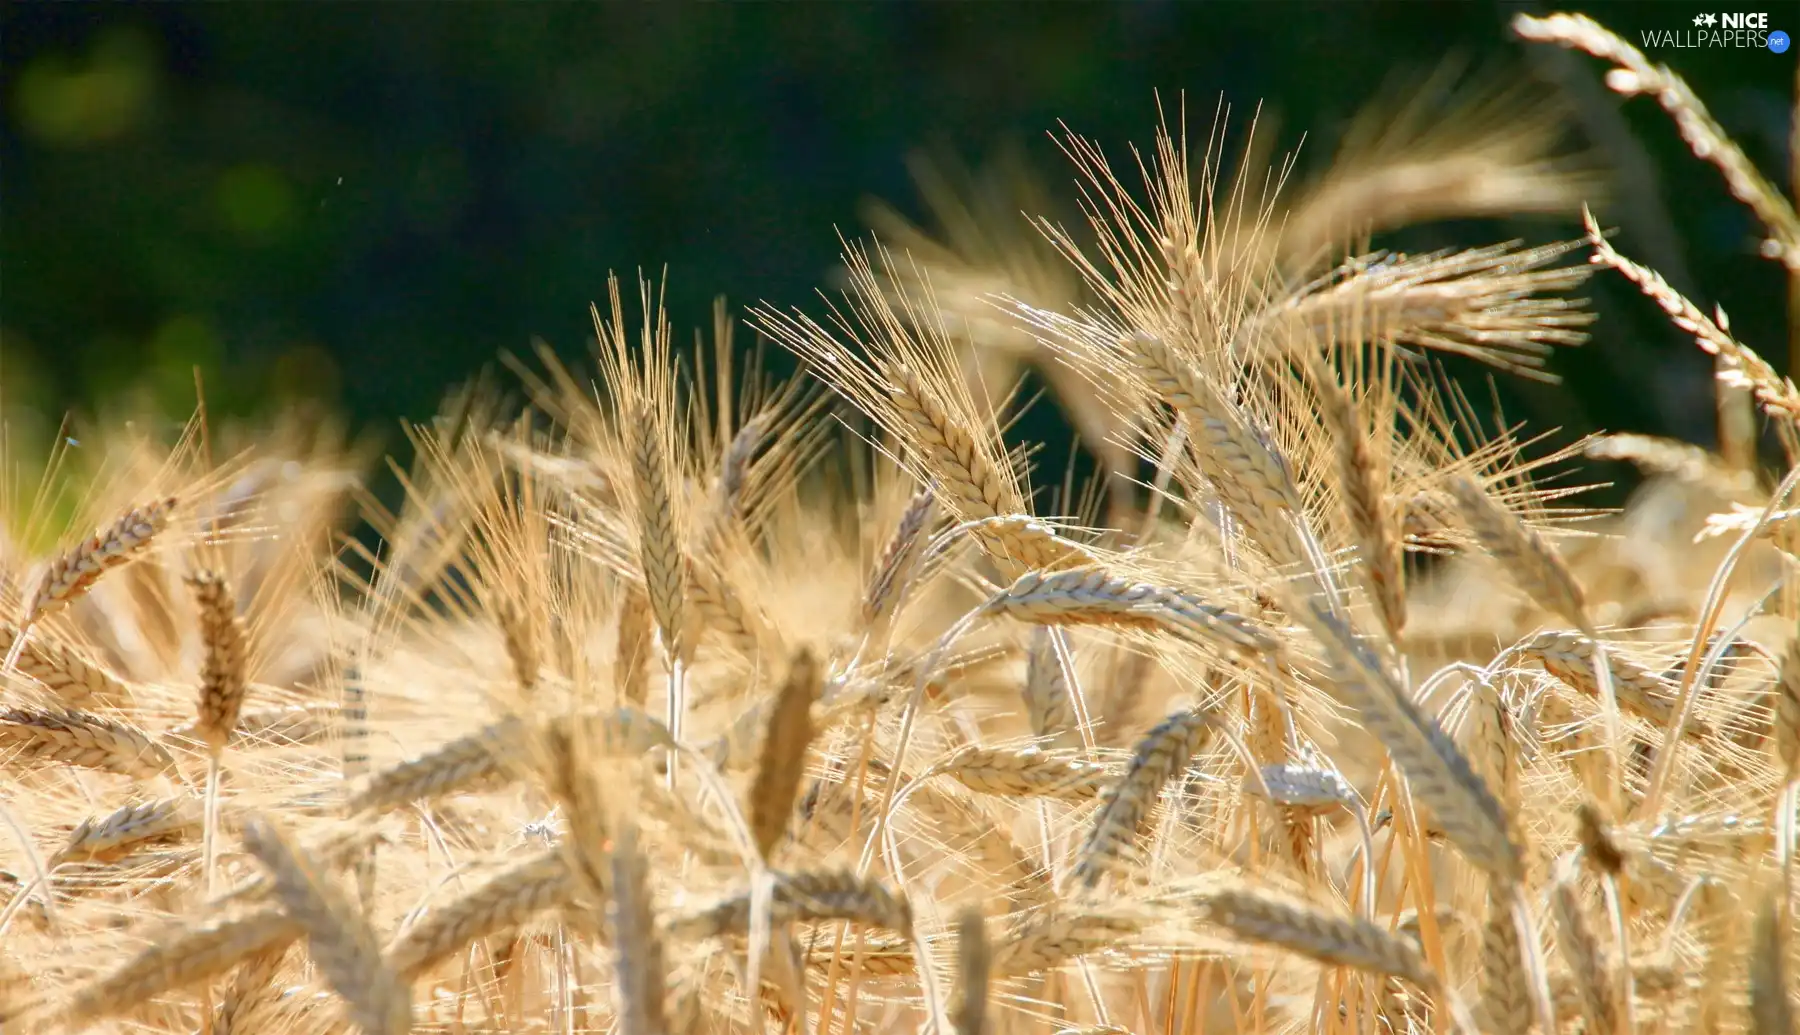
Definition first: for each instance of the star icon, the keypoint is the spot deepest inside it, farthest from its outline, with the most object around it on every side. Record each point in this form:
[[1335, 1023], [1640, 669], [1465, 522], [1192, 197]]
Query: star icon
[[1712, 19], [1699, 19]]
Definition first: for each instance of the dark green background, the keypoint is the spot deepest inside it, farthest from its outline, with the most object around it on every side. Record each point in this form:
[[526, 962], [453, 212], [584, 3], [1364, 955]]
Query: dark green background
[[365, 203]]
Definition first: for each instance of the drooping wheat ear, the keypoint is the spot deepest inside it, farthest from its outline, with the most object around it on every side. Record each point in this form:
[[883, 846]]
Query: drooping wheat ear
[[1025, 773], [71, 574], [1048, 706], [1490, 744], [1305, 930], [223, 668], [520, 637], [1161, 755], [1242, 464], [339, 940], [782, 761], [631, 658], [1671, 458], [1599, 846], [122, 831], [1771, 1010], [969, 478], [1587, 964], [1363, 481], [506, 900], [79, 739], [974, 959], [1044, 939], [1482, 302], [77, 681], [1530, 561], [251, 1001], [1775, 393], [1093, 596], [659, 540], [882, 955], [465, 762], [1787, 710], [895, 567], [1437, 772], [637, 945], [1635, 75], [180, 955], [1569, 656], [1506, 1000], [810, 895]]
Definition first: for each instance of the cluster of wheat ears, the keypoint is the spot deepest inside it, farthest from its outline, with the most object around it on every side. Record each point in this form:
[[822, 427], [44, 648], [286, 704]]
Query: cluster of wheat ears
[[679, 702]]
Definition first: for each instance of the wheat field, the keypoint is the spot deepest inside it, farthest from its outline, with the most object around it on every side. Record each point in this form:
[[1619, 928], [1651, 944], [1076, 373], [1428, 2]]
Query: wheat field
[[678, 698]]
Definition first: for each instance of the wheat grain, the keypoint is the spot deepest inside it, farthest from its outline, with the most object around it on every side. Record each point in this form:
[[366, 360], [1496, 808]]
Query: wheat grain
[[74, 679], [107, 838], [637, 947], [1024, 773]]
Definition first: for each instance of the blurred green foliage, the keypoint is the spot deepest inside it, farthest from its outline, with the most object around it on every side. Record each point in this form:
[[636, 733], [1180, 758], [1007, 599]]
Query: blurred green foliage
[[364, 203]]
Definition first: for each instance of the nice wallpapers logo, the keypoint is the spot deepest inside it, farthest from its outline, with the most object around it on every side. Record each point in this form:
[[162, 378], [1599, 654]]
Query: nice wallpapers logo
[[1736, 30]]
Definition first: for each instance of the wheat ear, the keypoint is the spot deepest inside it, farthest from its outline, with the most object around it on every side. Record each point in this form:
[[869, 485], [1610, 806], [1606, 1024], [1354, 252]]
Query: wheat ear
[[339, 940], [466, 762], [179, 956], [1587, 964], [1771, 1009], [1049, 707], [1435, 769], [974, 959], [1302, 929], [74, 679], [79, 739], [637, 946], [631, 656], [899, 559], [1024, 773], [1161, 755], [71, 574], [812, 895], [505, 900], [782, 761], [118, 833]]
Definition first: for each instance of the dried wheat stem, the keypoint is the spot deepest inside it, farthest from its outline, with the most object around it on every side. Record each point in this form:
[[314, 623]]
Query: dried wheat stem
[[505, 900], [782, 761], [338, 939]]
